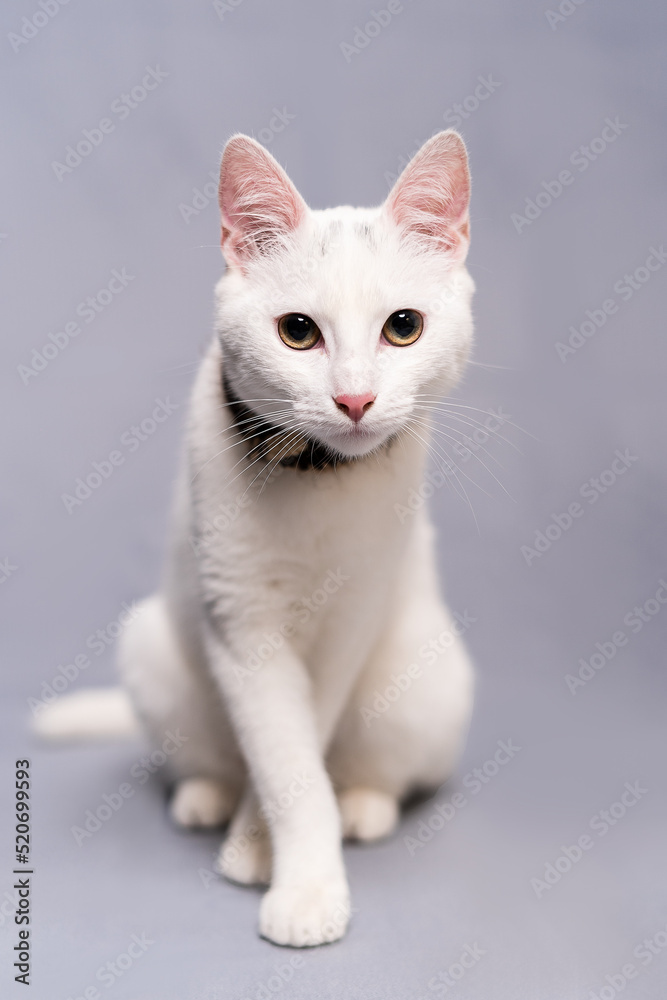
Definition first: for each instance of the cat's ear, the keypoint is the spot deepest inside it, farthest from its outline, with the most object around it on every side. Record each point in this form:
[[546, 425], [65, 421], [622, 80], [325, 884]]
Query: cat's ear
[[429, 201], [259, 205]]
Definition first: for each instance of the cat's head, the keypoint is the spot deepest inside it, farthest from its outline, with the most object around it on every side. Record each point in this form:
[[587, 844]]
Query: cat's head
[[338, 324]]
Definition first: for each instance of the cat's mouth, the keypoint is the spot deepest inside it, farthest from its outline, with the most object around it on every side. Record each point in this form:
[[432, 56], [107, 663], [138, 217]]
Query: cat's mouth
[[314, 447], [356, 440], [318, 444]]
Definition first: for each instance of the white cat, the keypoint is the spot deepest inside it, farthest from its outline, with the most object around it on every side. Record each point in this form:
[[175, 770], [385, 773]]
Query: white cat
[[293, 592]]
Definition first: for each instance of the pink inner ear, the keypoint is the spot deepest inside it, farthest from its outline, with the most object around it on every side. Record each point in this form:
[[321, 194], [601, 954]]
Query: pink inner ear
[[430, 199], [259, 204]]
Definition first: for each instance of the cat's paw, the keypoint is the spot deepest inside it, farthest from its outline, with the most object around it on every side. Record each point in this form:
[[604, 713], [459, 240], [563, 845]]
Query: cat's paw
[[201, 802], [303, 916], [367, 814], [246, 859]]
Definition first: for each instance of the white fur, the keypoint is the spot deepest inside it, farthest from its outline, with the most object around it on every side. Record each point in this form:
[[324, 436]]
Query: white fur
[[281, 742], [98, 713]]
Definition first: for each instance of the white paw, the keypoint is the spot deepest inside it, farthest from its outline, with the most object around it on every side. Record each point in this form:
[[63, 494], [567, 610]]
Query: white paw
[[246, 857], [303, 916], [201, 802], [367, 814]]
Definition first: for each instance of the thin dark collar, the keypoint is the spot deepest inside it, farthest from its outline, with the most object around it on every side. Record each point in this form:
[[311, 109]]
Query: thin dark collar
[[268, 442]]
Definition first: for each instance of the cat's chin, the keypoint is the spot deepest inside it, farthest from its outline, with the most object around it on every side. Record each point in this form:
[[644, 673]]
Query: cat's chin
[[356, 443]]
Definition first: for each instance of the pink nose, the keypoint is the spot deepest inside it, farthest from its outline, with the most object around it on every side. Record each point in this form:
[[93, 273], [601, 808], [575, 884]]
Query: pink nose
[[355, 406]]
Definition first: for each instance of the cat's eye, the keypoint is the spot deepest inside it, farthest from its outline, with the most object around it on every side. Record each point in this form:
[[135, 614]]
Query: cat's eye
[[403, 327], [298, 331]]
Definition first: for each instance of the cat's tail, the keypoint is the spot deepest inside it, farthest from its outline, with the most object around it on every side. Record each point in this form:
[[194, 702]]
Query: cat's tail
[[94, 714]]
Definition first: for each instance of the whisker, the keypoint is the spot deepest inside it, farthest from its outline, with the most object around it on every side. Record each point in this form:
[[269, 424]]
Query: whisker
[[430, 449], [260, 457], [262, 399], [427, 444], [292, 437], [483, 464], [449, 459], [471, 422], [465, 439], [288, 444], [484, 364], [255, 420], [186, 364], [242, 435], [437, 402]]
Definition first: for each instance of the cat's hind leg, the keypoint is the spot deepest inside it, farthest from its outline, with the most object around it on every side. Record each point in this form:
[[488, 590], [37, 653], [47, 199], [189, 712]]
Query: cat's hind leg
[[192, 742], [201, 803], [366, 813]]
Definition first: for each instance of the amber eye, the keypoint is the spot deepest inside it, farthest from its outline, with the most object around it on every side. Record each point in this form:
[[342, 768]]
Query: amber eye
[[298, 331], [403, 327]]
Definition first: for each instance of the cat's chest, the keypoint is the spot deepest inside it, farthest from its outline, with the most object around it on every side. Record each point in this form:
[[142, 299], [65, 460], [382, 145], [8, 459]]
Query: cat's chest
[[316, 553], [304, 525], [345, 513]]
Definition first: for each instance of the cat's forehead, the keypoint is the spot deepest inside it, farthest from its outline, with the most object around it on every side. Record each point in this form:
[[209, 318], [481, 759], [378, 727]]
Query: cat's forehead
[[346, 261], [351, 241], [334, 226], [355, 253]]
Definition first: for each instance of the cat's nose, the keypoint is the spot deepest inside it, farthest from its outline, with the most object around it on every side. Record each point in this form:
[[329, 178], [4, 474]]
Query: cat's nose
[[355, 406]]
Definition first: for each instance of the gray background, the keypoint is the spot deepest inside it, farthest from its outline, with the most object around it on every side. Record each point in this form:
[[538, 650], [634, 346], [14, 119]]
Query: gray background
[[353, 121]]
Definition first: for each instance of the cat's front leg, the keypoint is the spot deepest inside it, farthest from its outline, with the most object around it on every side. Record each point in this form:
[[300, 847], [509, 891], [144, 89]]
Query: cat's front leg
[[272, 712]]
